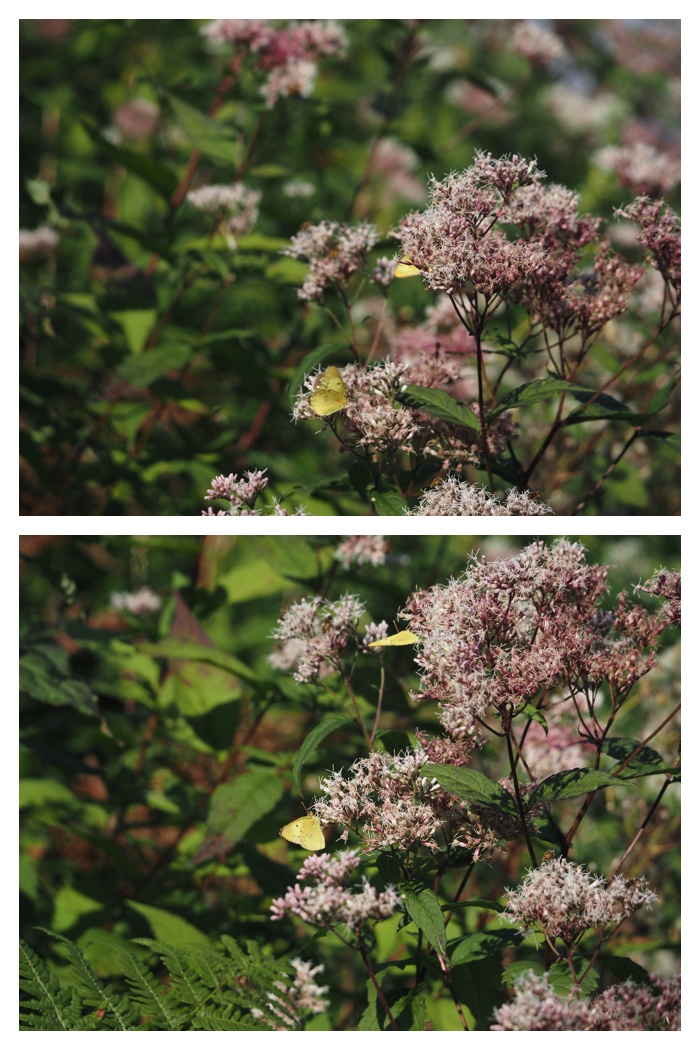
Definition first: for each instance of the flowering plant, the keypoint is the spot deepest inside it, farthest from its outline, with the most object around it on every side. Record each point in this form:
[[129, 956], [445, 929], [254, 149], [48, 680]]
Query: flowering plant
[[473, 223]]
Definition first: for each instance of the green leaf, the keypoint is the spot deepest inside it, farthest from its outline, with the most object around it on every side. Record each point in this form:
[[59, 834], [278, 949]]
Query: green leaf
[[325, 727], [156, 174], [204, 133], [177, 649], [438, 403], [481, 945], [472, 786], [646, 763], [309, 363], [623, 968], [388, 503], [424, 908], [604, 407], [235, 807], [137, 325], [40, 678], [570, 783], [532, 393], [166, 926], [535, 714], [142, 369]]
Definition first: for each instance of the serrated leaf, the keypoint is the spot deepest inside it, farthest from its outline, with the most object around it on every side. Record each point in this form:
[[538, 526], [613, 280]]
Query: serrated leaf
[[646, 763], [438, 403], [235, 807], [570, 783], [472, 786], [204, 133], [536, 715], [389, 503], [325, 727], [481, 945], [623, 968], [424, 908]]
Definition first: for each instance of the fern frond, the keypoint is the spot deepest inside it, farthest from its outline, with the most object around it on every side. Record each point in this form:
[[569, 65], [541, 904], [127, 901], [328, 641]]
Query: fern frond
[[158, 1008], [114, 1011], [48, 1008]]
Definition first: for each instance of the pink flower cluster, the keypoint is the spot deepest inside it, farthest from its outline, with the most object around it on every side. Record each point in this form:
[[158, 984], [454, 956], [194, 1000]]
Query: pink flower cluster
[[361, 550], [289, 56], [334, 252], [314, 634], [510, 629], [625, 1007], [564, 900], [661, 237], [242, 495], [647, 172], [285, 1009], [385, 799], [454, 497], [327, 899], [455, 242], [236, 206]]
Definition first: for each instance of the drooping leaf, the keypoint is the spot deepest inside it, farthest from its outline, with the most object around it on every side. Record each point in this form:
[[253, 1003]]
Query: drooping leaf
[[472, 786], [424, 908]]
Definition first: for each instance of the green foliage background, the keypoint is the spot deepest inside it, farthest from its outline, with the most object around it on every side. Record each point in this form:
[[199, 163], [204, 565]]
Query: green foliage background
[[153, 357], [145, 741]]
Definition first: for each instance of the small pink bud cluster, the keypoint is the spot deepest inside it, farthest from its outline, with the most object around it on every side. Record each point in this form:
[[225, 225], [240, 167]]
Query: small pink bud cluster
[[136, 602], [242, 495], [647, 172], [236, 207]]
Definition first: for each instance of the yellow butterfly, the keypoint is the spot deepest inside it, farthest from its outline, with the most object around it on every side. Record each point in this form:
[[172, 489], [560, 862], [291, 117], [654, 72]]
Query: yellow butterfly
[[304, 831], [402, 638], [329, 393], [405, 268]]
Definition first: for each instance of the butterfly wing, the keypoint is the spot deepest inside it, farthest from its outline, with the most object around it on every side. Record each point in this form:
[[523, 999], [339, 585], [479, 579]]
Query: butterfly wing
[[405, 268], [402, 638], [304, 831], [329, 393]]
